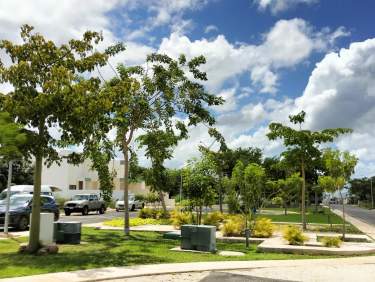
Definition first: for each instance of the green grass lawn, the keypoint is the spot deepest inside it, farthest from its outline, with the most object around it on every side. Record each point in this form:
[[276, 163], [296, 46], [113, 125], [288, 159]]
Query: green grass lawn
[[311, 217], [110, 248]]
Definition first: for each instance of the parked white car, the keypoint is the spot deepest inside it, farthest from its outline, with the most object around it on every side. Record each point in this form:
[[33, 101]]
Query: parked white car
[[133, 204], [47, 190]]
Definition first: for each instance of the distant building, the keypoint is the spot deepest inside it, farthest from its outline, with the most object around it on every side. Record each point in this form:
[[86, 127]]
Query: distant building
[[76, 179]]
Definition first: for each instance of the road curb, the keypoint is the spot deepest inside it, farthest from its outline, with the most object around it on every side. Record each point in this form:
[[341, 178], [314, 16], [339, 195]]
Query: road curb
[[113, 273]]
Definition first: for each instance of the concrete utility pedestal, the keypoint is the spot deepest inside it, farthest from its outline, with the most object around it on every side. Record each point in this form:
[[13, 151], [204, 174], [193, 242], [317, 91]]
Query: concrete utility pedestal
[[46, 228], [198, 237]]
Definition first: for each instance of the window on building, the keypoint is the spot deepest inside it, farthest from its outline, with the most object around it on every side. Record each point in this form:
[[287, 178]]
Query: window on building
[[72, 187], [80, 185]]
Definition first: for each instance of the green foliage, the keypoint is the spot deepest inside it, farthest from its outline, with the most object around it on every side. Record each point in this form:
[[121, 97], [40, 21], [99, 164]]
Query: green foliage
[[51, 88], [100, 160], [232, 196], [60, 201], [152, 213], [340, 166], [263, 228], [330, 242], [294, 235], [180, 218], [11, 137], [136, 172], [152, 198], [148, 99], [147, 213], [22, 173], [250, 180], [200, 183], [214, 218], [119, 222], [140, 197], [277, 201], [286, 189], [233, 226], [303, 146], [159, 146]]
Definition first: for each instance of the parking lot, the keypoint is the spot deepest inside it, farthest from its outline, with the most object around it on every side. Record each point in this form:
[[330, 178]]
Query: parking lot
[[92, 217]]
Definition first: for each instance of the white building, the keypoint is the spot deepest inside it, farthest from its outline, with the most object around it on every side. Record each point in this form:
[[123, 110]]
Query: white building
[[76, 179]]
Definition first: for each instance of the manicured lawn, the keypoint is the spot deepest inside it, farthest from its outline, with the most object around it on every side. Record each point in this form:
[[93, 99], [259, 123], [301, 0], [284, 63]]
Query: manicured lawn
[[310, 216], [110, 248]]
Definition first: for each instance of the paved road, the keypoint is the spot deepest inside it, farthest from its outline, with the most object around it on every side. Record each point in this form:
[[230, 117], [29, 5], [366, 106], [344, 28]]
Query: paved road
[[94, 217], [367, 216]]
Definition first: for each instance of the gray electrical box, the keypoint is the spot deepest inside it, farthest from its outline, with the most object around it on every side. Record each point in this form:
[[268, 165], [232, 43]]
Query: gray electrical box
[[67, 232], [198, 237]]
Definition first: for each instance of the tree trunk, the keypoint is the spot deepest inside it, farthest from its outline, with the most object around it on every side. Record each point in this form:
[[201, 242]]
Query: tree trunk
[[161, 196], [303, 196], [316, 202], [35, 211], [285, 208], [126, 189], [343, 216]]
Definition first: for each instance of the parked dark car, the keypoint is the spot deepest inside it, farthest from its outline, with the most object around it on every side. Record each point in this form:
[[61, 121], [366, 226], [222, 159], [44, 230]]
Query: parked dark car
[[20, 210]]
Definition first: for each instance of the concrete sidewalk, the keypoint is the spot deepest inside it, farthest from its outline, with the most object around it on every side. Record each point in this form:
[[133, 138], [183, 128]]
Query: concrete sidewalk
[[344, 267], [361, 225]]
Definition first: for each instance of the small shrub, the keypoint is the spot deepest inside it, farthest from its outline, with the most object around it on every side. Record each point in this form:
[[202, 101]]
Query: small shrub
[[214, 218], [152, 198], [180, 218], [119, 222], [263, 228], [231, 228], [294, 235], [233, 225], [162, 214], [331, 242], [233, 203], [146, 213]]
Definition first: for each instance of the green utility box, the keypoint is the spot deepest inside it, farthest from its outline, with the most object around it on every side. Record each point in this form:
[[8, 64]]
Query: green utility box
[[198, 237], [67, 232]]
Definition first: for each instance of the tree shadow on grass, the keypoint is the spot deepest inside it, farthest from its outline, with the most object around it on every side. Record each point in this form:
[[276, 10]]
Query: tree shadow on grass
[[103, 249]]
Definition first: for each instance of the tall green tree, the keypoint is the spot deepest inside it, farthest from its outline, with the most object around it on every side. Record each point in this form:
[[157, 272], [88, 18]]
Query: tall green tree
[[159, 146], [200, 184], [149, 97], [250, 180], [340, 167], [49, 90], [302, 146]]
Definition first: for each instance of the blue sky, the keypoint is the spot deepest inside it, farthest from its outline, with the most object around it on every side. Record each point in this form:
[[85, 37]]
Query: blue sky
[[267, 58]]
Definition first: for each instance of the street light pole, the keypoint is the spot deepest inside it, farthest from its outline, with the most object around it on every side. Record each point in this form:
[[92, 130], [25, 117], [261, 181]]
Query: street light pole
[[6, 223]]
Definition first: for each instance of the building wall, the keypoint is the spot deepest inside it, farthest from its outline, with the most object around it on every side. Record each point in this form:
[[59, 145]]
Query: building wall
[[67, 176]]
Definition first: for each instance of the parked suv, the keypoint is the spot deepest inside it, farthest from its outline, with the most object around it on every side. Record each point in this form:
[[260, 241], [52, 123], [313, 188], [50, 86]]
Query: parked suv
[[84, 203], [133, 204], [20, 210]]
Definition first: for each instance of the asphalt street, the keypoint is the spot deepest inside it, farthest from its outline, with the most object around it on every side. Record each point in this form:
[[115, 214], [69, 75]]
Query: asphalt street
[[94, 217], [367, 216]]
